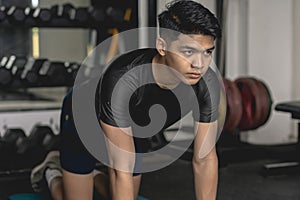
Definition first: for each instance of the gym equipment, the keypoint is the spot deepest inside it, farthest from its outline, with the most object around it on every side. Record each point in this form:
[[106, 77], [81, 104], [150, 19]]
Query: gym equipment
[[3, 71], [10, 11], [52, 74], [65, 11], [72, 69], [257, 102], [234, 106], [28, 11], [30, 75], [21, 72], [2, 13], [291, 163], [266, 100], [31, 150], [20, 153], [14, 136], [82, 15], [97, 14], [42, 14], [16, 14], [10, 70], [115, 14], [51, 142], [6, 64], [68, 11], [8, 146], [251, 103], [16, 72]]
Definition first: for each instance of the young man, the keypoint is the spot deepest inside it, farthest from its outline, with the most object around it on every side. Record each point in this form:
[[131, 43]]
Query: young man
[[186, 53]]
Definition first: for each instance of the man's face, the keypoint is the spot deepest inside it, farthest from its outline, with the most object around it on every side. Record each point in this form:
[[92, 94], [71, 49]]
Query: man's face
[[190, 55]]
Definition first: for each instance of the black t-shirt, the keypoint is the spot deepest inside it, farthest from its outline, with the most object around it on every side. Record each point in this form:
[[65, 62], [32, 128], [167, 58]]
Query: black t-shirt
[[128, 91], [129, 104]]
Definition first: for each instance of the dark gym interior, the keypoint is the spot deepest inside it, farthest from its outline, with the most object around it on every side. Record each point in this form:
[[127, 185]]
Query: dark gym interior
[[44, 44]]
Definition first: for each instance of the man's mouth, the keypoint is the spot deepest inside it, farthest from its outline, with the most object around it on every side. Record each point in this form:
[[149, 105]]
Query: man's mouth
[[194, 75]]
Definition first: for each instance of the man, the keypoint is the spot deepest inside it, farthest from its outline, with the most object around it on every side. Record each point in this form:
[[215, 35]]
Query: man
[[186, 52]]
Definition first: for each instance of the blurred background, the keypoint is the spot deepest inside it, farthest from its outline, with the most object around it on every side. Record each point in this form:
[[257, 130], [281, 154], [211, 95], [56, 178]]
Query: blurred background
[[44, 42]]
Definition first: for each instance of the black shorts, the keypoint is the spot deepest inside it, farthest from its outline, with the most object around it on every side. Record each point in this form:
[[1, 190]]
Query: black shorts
[[74, 157]]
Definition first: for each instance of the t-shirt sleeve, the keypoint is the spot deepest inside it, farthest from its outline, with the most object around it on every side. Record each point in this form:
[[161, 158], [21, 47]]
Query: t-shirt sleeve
[[208, 94], [115, 93]]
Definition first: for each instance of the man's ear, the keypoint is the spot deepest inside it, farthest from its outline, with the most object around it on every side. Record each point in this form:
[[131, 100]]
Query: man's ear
[[161, 46]]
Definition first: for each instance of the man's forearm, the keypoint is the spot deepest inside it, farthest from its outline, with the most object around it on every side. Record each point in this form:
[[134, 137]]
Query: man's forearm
[[206, 178]]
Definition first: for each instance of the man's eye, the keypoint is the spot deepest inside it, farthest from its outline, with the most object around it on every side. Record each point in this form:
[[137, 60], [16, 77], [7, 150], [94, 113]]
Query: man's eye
[[188, 53], [207, 53]]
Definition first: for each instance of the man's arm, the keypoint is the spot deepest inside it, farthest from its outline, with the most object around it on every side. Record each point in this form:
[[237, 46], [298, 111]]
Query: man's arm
[[77, 186], [121, 154], [205, 161]]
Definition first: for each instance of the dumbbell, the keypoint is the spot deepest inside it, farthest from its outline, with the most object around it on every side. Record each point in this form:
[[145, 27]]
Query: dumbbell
[[8, 146], [2, 13], [65, 11], [13, 137], [28, 11], [16, 15], [10, 70], [16, 72], [42, 14], [53, 74], [6, 65], [51, 143], [115, 14], [82, 15], [97, 14], [30, 74], [31, 150], [72, 69]]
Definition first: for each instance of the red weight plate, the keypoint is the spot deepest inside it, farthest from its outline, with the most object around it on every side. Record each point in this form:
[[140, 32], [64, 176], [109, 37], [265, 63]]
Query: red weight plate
[[234, 106], [269, 103], [251, 103]]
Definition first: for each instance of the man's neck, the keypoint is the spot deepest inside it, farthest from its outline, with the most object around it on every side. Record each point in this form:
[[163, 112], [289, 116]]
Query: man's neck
[[163, 75]]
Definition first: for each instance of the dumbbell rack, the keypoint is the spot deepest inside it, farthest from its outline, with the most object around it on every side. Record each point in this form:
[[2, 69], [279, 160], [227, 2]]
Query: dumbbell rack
[[63, 22], [49, 109], [102, 26]]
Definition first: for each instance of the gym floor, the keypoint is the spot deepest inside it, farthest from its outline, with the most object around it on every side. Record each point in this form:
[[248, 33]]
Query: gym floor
[[237, 181]]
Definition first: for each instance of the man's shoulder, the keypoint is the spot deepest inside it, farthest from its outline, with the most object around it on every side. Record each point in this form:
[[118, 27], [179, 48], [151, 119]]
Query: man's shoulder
[[128, 63], [133, 58]]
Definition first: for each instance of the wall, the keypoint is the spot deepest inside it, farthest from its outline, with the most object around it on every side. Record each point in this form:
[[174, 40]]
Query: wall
[[264, 50], [296, 25], [236, 36], [63, 44]]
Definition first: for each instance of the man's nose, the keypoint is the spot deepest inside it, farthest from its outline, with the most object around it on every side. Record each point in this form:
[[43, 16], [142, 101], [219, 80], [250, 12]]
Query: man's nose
[[197, 62]]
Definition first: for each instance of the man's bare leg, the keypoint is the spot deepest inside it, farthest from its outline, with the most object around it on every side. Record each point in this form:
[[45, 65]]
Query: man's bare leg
[[136, 184], [101, 183]]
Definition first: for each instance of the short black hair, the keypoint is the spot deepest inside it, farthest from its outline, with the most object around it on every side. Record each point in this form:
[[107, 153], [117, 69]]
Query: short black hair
[[189, 17]]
